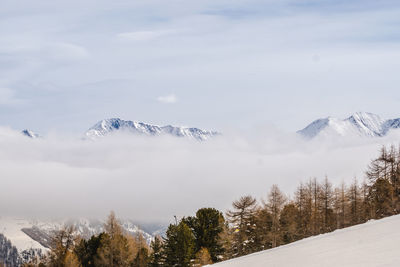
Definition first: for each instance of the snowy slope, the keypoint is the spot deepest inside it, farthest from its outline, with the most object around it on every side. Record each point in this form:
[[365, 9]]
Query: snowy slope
[[11, 228], [108, 126], [361, 124], [375, 243]]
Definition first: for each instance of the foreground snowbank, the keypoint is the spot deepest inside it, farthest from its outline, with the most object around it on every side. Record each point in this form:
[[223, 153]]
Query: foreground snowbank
[[375, 243]]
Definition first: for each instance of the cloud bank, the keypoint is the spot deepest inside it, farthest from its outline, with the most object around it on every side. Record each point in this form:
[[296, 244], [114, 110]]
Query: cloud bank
[[151, 179]]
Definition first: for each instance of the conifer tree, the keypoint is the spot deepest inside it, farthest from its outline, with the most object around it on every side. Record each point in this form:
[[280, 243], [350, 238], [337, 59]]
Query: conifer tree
[[86, 250], [378, 168], [71, 260], [326, 195], [156, 256], [262, 236], [366, 210], [202, 258], [136, 243], [290, 223], [380, 196], [355, 202], [314, 189], [341, 206], [114, 249], [303, 203], [179, 245], [142, 258], [243, 218], [207, 226], [274, 205], [61, 253], [226, 240]]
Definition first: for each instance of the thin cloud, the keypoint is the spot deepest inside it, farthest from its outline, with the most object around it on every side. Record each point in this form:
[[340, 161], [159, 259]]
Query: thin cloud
[[143, 35], [168, 99], [65, 51]]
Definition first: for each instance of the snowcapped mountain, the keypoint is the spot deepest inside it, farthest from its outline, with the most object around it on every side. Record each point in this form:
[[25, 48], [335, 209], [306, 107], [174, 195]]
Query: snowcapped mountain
[[360, 124], [108, 126], [30, 133], [30, 233], [22, 240]]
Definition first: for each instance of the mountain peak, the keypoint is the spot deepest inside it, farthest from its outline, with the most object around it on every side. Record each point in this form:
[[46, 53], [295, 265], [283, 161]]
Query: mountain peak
[[30, 133], [107, 126], [367, 123], [364, 116], [363, 124]]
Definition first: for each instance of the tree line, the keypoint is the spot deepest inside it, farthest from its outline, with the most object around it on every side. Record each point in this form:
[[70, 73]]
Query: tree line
[[316, 207]]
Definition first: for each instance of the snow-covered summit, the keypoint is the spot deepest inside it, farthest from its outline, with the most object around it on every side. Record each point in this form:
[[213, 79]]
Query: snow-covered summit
[[30, 133], [105, 127], [362, 124]]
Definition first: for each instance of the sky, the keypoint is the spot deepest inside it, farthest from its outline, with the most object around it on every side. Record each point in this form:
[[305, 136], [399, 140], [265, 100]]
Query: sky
[[212, 64], [255, 70]]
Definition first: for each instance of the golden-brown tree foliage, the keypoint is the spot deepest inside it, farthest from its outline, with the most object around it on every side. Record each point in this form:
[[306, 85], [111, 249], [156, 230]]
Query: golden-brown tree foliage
[[136, 243], [275, 201], [226, 239], [71, 260], [202, 258], [115, 248], [61, 252], [242, 217]]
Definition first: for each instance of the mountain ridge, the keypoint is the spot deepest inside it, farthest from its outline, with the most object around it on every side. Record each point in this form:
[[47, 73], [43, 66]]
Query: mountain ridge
[[112, 125], [361, 124]]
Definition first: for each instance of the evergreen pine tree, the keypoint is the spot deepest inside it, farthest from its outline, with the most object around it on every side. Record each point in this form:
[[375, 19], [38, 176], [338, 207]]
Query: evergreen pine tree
[[179, 245], [207, 226], [86, 250], [156, 255]]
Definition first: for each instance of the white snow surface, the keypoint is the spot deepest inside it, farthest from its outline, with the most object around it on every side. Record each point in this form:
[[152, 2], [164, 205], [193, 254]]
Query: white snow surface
[[105, 127], [360, 124], [11, 229], [375, 243]]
